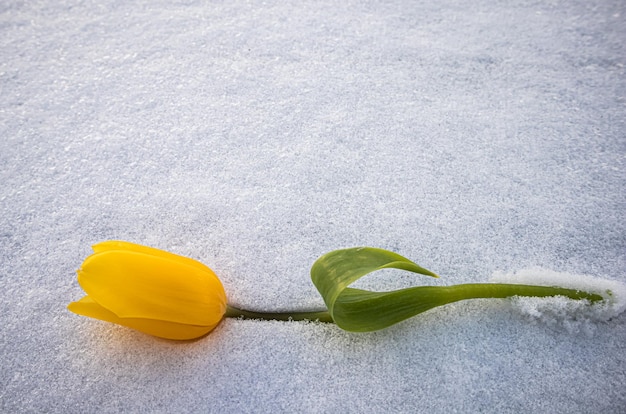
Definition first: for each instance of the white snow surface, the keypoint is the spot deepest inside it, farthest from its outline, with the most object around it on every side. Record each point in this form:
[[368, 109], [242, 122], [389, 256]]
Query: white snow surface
[[574, 315], [475, 138]]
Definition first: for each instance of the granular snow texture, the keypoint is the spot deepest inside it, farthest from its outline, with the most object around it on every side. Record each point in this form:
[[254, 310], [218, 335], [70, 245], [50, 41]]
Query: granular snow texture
[[475, 138]]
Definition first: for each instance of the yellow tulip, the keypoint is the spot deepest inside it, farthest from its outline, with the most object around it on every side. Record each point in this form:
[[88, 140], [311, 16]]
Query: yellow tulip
[[150, 290]]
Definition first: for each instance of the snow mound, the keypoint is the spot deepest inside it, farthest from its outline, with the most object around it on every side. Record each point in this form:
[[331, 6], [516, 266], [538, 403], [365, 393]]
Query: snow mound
[[559, 311]]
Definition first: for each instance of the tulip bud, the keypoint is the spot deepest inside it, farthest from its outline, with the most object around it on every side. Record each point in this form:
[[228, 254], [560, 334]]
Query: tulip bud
[[150, 290]]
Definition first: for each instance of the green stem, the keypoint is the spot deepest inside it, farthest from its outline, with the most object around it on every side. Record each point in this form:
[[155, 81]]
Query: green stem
[[424, 298], [322, 316]]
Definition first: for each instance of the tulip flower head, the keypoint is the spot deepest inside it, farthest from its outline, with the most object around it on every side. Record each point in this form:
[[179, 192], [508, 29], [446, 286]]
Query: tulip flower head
[[150, 290]]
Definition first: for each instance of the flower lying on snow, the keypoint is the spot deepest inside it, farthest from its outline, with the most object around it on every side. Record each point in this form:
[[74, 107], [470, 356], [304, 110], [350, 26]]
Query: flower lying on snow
[[174, 297]]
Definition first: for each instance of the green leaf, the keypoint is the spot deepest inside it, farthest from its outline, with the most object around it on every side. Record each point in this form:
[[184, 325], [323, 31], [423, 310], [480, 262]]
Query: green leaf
[[360, 310]]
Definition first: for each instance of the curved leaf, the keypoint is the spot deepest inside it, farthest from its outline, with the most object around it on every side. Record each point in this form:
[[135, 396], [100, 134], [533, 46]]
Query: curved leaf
[[361, 310]]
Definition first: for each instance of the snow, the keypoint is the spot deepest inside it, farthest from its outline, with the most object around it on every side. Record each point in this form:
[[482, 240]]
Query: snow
[[574, 315], [476, 139]]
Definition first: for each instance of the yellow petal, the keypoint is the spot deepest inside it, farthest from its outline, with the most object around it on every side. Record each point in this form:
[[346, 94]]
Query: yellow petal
[[169, 330], [141, 283], [128, 246]]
